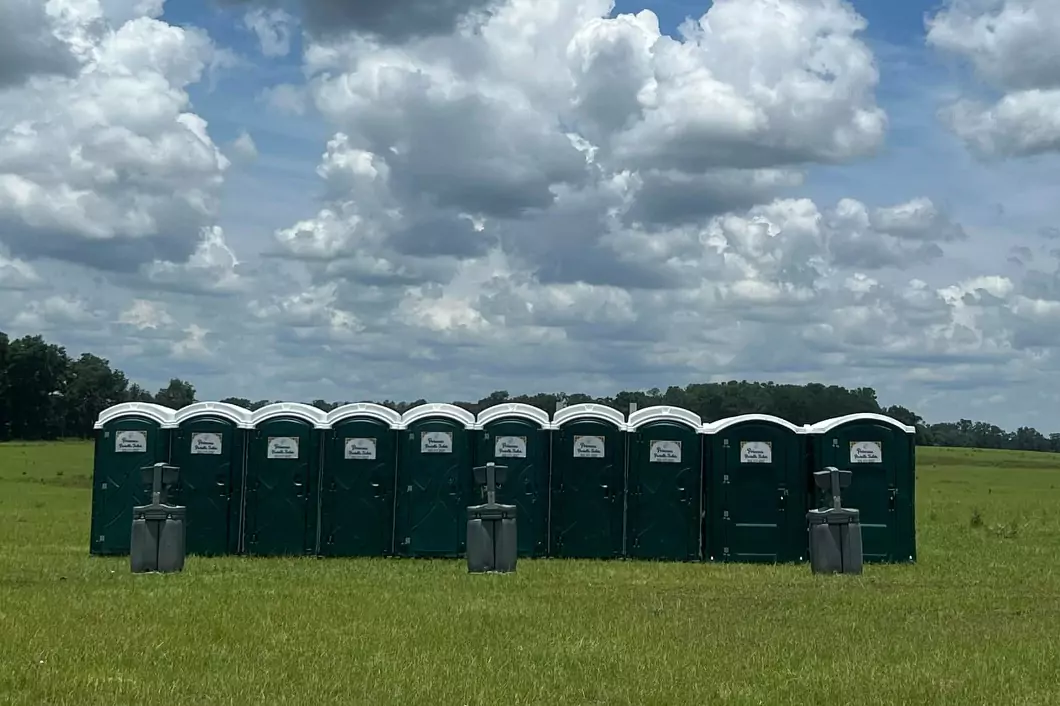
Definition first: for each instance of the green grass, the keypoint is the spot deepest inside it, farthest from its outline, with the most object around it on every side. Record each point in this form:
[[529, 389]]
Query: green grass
[[976, 621]]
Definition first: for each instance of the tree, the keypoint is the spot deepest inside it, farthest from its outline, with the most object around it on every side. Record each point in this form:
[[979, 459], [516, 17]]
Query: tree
[[44, 395], [176, 395], [91, 388], [5, 412], [138, 394], [36, 374]]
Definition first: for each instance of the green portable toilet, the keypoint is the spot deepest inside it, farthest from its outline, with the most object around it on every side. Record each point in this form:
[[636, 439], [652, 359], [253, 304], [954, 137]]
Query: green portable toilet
[[357, 481], [663, 497], [755, 490], [880, 452], [283, 466], [129, 436], [516, 435], [209, 445], [434, 481], [587, 486]]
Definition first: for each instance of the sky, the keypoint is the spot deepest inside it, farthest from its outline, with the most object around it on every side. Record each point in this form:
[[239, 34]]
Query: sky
[[300, 199]]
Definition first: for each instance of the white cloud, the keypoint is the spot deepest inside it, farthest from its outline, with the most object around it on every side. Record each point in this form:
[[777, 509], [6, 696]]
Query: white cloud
[[725, 93], [244, 147], [143, 315], [558, 177], [54, 312], [210, 269], [386, 20], [546, 197], [108, 166], [481, 120], [29, 44], [192, 346], [16, 274], [1011, 45], [272, 28]]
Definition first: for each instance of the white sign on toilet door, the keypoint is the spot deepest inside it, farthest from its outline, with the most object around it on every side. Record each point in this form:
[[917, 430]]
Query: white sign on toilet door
[[756, 452], [866, 452], [589, 447], [436, 442], [130, 441], [285, 447], [360, 449], [510, 447], [206, 442], [664, 451]]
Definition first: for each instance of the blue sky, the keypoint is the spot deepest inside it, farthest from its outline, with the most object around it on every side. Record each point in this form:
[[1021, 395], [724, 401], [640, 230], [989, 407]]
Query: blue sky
[[453, 214], [920, 156]]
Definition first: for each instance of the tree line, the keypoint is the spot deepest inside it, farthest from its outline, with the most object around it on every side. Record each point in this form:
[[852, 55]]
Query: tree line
[[46, 394]]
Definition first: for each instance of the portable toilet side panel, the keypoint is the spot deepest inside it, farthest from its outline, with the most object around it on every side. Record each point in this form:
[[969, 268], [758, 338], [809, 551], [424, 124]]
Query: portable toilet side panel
[[434, 483], [587, 489], [756, 491], [517, 436], [208, 446], [905, 502], [282, 466], [664, 498], [357, 487], [879, 452], [129, 436]]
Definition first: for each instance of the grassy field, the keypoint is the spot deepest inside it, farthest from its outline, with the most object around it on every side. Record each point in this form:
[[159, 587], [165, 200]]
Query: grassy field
[[976, 621]]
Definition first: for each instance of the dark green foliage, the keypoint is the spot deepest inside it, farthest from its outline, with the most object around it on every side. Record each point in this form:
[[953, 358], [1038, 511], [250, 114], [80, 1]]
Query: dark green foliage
[[176, 395], [61, 397], [44, 394]]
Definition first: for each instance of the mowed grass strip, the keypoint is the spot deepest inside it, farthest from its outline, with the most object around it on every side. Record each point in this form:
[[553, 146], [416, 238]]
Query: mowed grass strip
[[976, 621]]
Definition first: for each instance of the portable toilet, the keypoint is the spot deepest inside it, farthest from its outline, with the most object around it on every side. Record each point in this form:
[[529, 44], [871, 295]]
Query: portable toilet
[[357, 481], [434, 481], [283, 465], [209, 446], [880, 452], [587, 486], [516, 435], [755, 490], [663, 496], [129, 436]]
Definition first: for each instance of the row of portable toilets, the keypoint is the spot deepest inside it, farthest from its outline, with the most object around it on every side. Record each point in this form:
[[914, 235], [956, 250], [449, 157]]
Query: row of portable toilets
[[363, 480]]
